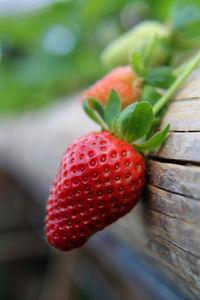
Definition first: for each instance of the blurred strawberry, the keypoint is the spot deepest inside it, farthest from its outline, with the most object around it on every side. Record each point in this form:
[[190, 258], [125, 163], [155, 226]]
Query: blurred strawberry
[[122, 80]]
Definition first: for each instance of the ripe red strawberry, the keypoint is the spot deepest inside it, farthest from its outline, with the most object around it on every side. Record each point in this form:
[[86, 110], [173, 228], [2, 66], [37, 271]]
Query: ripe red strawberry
[[122, 80], [100, 179], [101, 175]]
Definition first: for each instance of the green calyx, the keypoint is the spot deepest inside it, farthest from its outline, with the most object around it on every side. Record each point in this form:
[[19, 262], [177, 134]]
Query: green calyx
[[131, 124]]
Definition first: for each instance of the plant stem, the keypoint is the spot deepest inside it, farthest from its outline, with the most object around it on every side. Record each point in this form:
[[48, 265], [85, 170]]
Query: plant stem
[[188, 69], [180, 69]]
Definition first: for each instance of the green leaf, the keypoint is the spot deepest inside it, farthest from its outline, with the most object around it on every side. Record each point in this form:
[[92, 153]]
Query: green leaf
[[186, 25], [154, 125], [154, 142], [150, 95], [147, 51], [124, 120], [91, 113], [97, 106], [112, 108], [161, 77], [137, 64], [140, 121]]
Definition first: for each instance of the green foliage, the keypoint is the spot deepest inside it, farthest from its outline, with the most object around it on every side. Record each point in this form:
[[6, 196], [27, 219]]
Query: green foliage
[[150, 94], [186, 24], [97, 106], [141, 39], [154, 142], [138, 64], [123, 121], [91, 114], [144, 59], [161, 77], [112, 108], [140, 122], [31, 76]]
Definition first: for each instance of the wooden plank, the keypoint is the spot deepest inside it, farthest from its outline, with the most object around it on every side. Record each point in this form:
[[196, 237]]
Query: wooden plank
[[178, 264], [176, 222], [181, 233], [180, 146], [175, 178], [190, 88], [133, 270], [180, 208], [183, 265], [175, 218], [183, 116]]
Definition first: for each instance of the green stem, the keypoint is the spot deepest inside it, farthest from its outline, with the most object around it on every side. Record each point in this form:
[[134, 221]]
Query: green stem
[[180, 69], [188, 69]]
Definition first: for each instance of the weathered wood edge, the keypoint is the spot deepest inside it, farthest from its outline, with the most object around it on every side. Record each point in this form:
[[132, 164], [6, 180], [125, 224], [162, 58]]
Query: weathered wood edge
[[183, 116], [190, 89], [173, 217], [180, 179], [176, 261], [180, 146]]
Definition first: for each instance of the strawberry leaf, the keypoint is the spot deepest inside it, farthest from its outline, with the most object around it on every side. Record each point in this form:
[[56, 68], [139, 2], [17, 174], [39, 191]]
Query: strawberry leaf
[[112, 108], [154, 142], [97, 106], [150, 95], [186, 25], [154, 125], [137, 64], [161, 77], [140, 121], [148, 49], [91, 113], [124, 120], [144, 57]]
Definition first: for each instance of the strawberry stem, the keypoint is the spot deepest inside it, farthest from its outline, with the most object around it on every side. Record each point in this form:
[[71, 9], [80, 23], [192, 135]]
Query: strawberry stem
[[179, 70], [188, 69]]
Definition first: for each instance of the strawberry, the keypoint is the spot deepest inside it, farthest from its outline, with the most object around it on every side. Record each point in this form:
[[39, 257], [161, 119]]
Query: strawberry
[[121, 79], [99, 180], [119, 51], [101, 175]]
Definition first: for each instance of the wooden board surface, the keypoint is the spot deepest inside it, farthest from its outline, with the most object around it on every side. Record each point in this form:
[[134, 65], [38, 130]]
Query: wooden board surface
[[183, 116], [165, 225]]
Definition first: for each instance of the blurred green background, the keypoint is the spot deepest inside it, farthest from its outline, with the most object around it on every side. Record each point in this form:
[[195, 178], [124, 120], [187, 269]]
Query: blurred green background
[[54, 49]]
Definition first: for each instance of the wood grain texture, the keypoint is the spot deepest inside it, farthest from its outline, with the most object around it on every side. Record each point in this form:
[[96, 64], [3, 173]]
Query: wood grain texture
[[190, 89], [165, 225], [174, 217], [180, 146], [183, 116], [179, 179]]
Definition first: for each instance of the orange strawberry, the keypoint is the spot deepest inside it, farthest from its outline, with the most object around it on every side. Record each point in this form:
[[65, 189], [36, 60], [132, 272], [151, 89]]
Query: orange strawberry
[[122, 80]]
